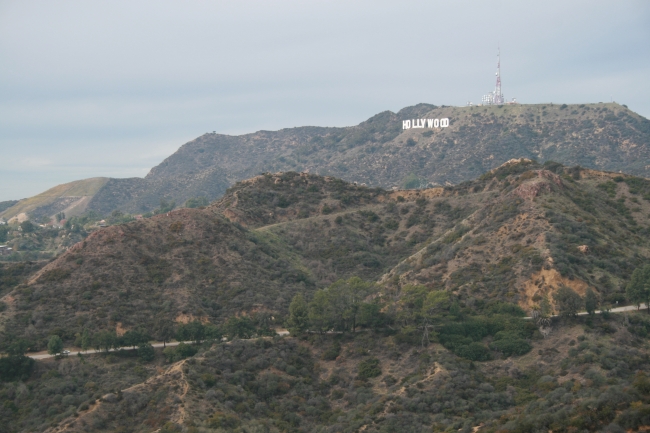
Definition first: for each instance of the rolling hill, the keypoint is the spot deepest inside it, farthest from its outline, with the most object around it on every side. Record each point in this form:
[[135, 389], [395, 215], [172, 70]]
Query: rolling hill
[[516, 234]]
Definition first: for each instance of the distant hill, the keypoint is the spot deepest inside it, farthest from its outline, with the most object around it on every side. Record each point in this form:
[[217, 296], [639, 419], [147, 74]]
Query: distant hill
[[7, 204], [71, 198], [515, 234], [379, 153]]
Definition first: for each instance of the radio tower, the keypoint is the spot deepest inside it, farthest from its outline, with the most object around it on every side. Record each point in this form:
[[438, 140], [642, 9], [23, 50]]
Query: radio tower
[[498, 96]]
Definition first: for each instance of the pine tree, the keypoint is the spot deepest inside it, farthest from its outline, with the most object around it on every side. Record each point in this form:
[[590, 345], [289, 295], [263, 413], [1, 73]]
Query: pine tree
[[298, 315], [591, 301], [636, 287], [85, 340], [55, 345]]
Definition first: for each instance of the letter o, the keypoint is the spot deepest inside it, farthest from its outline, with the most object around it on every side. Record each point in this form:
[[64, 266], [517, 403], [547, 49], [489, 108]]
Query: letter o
[[436, 123]]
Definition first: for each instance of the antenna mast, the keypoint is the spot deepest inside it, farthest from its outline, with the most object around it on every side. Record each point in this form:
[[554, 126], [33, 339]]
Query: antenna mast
[[498, 96]]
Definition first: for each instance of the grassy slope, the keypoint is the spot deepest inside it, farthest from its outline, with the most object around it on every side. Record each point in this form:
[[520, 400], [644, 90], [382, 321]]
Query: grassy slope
[[78, 188]]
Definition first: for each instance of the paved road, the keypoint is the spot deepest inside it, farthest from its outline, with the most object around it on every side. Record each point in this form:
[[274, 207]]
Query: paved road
[[45, 355], [618, 309], [613, 310]]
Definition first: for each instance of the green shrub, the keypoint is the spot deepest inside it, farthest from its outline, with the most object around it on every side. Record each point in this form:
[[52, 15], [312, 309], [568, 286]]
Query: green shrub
[[509, 344], [474, 352], [208, 379], [146, 352], [223, 420], [369, 368], [332, 352]]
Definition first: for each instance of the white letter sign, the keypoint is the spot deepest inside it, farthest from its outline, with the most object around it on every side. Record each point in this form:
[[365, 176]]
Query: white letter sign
[[425, 123]]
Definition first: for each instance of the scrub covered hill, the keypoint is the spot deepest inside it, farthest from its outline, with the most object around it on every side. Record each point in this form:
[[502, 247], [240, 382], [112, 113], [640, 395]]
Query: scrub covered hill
[[441, 347], [379, 153], [587, 375], [517, 234]]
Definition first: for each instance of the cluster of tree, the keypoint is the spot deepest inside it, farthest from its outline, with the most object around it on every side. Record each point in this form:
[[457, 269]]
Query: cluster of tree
[[568, 303], [195, 202], [105, 341], [420, 316], [338, 308]]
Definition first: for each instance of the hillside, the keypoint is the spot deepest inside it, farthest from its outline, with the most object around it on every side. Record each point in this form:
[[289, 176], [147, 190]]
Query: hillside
[[578, 378], [71, 198], [432, 340], [517, 234], [379, 153]]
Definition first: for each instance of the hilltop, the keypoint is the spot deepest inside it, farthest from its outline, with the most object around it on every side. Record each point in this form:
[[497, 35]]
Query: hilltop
[[379, 153]]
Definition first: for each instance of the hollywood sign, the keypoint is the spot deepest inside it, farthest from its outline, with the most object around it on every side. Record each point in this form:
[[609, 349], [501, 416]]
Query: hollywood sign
[[425, 123]]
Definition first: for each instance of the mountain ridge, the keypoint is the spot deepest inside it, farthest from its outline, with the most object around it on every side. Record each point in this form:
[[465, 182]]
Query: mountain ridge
[[378, 152]]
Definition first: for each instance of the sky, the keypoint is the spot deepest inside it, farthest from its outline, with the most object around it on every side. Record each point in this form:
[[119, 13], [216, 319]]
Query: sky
[[111, 88]]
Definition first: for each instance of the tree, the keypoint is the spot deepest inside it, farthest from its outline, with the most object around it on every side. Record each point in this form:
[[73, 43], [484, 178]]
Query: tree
[[591, 301], [421, 309], [568, 301], [239, 327], [133, 338], [638, 289], [298, 315], [319, 319], [146, 352], [545, 308], [105, 340], [195, 202], [55, 345], [27, 226], [164, 329], [86, 340], [338, 306], [192, 331], [213, 332], [371, 316]]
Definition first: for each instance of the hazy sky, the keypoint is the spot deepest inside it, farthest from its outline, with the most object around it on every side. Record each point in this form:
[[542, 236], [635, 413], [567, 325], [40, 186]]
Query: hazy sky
[[110, 88]]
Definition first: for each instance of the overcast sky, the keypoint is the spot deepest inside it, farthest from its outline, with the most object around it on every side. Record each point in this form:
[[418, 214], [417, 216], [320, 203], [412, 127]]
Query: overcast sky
[[111, 88]]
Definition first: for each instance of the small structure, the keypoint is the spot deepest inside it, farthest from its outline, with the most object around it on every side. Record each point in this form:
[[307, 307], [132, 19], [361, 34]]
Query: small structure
[[5, 250]]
